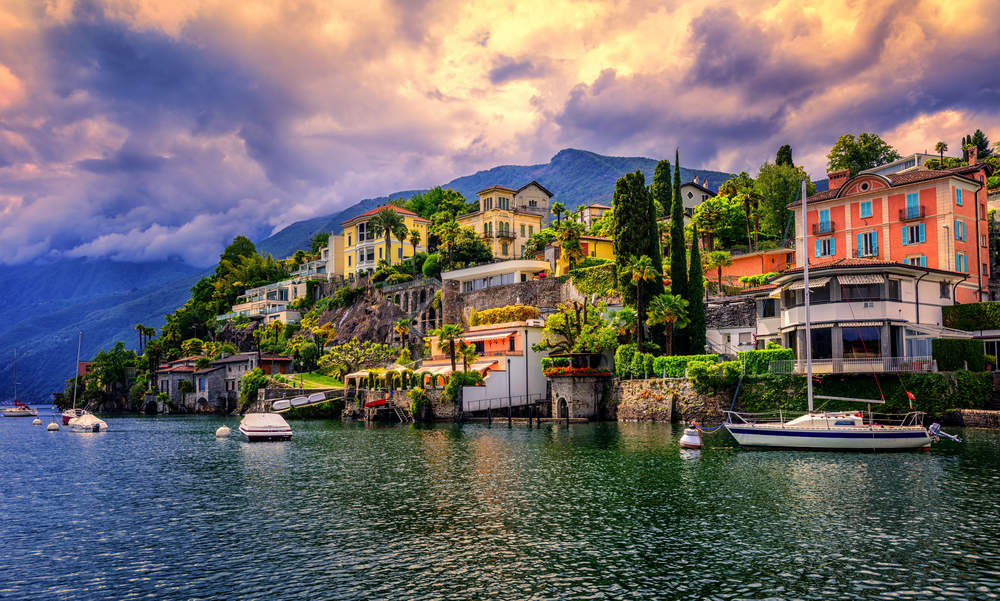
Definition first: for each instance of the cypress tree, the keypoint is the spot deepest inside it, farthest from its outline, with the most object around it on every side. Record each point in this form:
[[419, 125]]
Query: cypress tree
[[784, 156], [678, 254], [663, 186], [696, 301], [631, 226]]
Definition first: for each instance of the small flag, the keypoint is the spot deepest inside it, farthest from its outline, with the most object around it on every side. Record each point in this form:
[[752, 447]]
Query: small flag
[[911, 397]]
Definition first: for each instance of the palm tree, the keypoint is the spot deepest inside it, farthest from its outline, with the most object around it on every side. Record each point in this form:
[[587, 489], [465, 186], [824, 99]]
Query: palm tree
[[386, 222], [626, 322], [469, 354], [559, 209], [569, 238], [717, 259], [402, 327], [324, 334], [415, 241], [642, 271], [448, 336], [142, 330], [671, 310], [941, 148], [448, 232]]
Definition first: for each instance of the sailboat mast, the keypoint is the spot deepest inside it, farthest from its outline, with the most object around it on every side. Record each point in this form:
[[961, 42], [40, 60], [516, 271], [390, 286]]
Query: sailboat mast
[[15, 375], [76, 368], [805, 292]]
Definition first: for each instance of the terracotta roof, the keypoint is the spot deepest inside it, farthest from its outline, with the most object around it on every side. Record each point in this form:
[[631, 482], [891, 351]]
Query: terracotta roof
[[898, 179], [838, 263], [176, 369], [400, 210], [540, 186], [499, 189]]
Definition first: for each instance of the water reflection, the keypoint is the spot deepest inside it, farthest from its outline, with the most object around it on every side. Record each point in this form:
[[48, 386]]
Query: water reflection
[[161, 508]]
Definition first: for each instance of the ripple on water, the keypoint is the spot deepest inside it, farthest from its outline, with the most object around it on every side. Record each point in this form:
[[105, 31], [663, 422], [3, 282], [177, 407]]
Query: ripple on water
[[158, 507]]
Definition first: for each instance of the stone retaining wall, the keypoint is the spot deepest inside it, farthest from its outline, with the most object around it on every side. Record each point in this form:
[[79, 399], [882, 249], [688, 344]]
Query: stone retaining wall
[[542, 293], [665, 400], [972, 418]]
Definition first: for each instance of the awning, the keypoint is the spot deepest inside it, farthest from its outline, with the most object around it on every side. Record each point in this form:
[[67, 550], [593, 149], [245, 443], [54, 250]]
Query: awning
[[816, 283], [776, 293], [862, 278], [860, 324], [814, 326], [488, 337]]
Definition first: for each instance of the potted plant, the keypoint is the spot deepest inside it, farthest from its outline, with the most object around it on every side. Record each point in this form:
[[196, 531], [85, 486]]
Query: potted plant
[[991, 360]]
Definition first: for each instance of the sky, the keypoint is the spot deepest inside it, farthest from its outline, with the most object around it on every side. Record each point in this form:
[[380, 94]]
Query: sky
[[147, 130]]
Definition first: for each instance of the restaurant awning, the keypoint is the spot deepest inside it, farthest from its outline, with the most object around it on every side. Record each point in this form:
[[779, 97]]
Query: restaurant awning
[[488, 337], [813, 283], [860, 324], [862, 278]]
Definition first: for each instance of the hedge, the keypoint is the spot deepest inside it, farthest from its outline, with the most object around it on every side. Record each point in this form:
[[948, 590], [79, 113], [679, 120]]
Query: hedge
[[503, 315], [972, 316], [953, 353], [623, 357], [757, 362], [675, 366]]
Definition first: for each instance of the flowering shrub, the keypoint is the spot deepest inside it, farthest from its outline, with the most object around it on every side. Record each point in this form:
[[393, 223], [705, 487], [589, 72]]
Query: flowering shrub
[[576, 371]]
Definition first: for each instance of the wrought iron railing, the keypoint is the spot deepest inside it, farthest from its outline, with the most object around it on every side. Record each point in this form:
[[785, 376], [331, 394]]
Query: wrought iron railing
[[824, 227], [912, 213], [856, 366], [502, 403]]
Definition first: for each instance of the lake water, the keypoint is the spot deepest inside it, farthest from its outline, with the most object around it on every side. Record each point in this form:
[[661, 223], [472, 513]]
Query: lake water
[[157, 508]]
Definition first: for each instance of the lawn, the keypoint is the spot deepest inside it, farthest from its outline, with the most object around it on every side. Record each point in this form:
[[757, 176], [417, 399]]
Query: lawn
[[313, 380]]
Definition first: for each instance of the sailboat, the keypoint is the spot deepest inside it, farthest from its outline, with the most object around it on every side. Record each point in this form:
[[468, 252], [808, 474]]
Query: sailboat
[[80, 419], [19, 409], [828, 430]]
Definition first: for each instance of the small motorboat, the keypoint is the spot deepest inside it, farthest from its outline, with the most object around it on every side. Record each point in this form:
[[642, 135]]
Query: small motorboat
[[265, 426], [378, 403], [19, 410], [70, 414], [88, 422]]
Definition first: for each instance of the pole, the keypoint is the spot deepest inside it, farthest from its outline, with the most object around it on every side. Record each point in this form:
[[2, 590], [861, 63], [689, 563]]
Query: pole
[[805, 282], [76, 368]]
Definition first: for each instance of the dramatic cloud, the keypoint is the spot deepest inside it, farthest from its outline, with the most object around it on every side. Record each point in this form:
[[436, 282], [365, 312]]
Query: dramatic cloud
[[145, 129]]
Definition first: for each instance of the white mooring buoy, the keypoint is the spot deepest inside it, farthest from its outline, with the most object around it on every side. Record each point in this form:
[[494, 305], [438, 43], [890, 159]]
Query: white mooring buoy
[[53, 427], [223, 432], [36, 422], [691, 438]]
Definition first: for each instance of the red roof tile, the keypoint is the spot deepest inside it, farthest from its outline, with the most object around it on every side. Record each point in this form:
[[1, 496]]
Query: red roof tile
[[400, 210], [838, 263]]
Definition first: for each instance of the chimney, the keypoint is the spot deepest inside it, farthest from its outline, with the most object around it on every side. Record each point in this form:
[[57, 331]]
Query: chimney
[[973, 154], [838, 178], [696, 180]]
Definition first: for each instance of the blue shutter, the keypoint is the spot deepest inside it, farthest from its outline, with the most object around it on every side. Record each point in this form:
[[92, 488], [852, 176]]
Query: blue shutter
[[833, 246], [923, 261], [964, 232], [860, 246], [875, 243], [817, 248], [965, 263], [958, 262], [904, 236], [923, 233], [958, 196], [911, 201], [956, 230]]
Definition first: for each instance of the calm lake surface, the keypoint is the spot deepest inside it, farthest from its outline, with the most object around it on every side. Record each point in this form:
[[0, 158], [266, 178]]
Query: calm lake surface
[[158, 508]]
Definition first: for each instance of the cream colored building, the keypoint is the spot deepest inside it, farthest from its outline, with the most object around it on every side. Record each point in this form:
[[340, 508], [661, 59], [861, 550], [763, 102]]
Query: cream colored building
[[533, 198], [503, 224]]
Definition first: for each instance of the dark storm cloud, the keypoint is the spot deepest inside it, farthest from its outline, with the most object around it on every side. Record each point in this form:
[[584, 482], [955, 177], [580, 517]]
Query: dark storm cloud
[[506, 69]]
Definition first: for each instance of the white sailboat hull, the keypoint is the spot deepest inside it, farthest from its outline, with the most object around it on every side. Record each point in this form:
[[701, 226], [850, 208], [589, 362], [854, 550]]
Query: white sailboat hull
[[877, 438], [19, 412]]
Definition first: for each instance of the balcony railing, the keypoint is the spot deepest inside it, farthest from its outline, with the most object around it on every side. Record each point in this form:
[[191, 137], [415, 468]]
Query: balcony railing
[[910, 213], [824, 227], [856, 366]]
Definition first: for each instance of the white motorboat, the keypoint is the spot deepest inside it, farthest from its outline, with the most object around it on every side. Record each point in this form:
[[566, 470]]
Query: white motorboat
[[264, 427], [88, 422], [71, 414], [19, 410], [827, 431]]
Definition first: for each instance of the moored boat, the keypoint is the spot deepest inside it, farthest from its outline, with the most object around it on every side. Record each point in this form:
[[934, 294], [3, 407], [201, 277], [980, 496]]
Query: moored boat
[[70, 414], [88, 422], [19, 410], [264, 427], [830, 431]]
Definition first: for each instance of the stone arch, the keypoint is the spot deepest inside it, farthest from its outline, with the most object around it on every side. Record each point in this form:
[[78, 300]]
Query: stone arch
[[202, 404], [423, 296], [150, 408], [562, 409]]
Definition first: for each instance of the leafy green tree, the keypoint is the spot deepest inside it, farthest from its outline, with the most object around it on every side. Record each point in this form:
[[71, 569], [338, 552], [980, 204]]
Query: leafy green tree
[[469, 354], [319, 241], [470, 249], [437, 200], [640, 270], [635, 232], [720, 220], [432, 266], [670, 310], [107, 369], [577, 328], [981, 142], [309, 355], [569, 240], [386, 222], [449, 232], [192, 347], [539, 240], [775, 188], [626, 323], [241, 246], [865, 152], [784, 156], [448, 337], [696, 332], [354, 355], [663, 186]]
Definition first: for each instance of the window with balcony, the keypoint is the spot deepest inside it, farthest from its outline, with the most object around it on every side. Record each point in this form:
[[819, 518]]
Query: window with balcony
[[914, 234], [371, 255], [867, 244], [866, 209], [362, 228]]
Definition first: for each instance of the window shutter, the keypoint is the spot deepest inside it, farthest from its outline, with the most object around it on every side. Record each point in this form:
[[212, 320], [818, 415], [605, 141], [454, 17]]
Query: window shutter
[[923, 261], [904, 236], [956, 230], [958, 196], [964, 232], [817, 248], [833, 246], [860, 245], [923, 233], [875, 243], [958, 262]]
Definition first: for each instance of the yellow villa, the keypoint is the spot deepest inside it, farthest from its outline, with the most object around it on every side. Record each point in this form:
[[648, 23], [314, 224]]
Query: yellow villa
[[504, 224], [363, 251], [593, 246]]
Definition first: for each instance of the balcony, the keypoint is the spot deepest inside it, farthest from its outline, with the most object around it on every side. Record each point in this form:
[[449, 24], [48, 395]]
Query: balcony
[[824, 227], [856, 366], [911, 213], [506, 235]]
